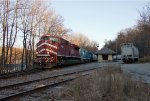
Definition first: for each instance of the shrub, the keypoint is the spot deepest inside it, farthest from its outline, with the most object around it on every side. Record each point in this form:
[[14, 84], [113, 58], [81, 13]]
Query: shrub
[[145, 59], [109, 84]]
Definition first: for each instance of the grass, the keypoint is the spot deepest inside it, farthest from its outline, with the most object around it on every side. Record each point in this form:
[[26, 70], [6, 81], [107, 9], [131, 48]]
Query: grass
[[145, 59], [109, 84]]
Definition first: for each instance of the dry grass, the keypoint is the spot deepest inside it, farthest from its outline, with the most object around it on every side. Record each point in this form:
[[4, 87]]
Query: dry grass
[[109, 84], [145, 59]]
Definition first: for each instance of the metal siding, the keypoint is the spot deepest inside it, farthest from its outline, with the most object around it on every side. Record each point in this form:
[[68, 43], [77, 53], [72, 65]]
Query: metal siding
[[46, 49], [68, 49], [85, 54]]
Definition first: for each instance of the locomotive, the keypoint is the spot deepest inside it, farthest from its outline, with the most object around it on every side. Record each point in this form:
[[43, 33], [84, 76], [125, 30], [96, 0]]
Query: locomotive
[[129, 53], [54, 50]]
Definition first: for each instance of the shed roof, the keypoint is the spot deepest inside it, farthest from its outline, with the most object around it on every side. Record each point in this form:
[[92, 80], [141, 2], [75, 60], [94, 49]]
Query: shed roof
[[105, 51]]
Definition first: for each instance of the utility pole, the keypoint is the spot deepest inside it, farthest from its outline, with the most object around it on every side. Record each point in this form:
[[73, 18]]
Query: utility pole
[[116, 49]]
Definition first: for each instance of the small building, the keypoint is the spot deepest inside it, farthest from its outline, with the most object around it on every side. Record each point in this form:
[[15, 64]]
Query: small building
[[105, 54]]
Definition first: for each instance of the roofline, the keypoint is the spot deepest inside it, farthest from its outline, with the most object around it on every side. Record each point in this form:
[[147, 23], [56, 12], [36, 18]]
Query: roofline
[[106, 53], [52, 35]]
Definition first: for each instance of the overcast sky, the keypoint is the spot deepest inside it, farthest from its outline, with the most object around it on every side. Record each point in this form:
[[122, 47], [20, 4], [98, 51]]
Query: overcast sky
[[99, 19]]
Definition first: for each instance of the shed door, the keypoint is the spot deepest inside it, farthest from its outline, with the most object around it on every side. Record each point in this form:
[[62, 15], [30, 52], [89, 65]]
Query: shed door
[[105, 57]]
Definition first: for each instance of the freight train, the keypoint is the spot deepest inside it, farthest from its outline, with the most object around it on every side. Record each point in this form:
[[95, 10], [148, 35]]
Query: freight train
[[54, 50], [129, 53]]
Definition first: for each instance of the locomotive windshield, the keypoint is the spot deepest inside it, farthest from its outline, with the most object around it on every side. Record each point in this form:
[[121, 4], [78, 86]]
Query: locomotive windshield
[[53, 39], [45, 38]]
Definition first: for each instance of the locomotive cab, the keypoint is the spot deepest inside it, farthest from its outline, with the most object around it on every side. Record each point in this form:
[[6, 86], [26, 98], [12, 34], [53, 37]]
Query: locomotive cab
[[47, 50]]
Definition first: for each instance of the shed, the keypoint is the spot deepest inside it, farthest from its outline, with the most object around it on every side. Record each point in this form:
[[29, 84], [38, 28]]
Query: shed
[[105, 54]]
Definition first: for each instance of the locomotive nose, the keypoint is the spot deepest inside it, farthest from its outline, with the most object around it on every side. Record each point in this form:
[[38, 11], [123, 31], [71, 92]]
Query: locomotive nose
[[46, 52]]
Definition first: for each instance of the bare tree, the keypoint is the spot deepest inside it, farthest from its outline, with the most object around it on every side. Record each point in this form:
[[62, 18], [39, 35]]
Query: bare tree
[[138, 35], [84, 42], [8, 22], [26, 20]]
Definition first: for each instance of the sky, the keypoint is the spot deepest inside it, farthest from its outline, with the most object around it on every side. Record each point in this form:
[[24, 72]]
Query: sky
[[99, 20]]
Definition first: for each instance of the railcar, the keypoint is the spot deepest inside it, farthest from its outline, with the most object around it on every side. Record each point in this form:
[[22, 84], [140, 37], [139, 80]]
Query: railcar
[[87, 56], [54, 50]]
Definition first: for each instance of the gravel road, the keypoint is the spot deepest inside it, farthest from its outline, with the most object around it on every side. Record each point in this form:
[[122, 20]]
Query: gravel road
[[138, 71]]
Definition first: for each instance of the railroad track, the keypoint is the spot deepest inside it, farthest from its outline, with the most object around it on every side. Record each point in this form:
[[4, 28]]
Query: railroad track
[[31, 71], [19, 89], [20, 73]]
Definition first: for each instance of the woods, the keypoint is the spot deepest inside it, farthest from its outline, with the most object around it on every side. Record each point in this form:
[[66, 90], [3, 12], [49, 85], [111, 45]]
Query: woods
[[139, 35], [83, 41], [21, 25], [22, 22]]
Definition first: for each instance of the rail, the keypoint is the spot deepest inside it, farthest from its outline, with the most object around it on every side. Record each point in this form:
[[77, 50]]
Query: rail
[[11, 91]]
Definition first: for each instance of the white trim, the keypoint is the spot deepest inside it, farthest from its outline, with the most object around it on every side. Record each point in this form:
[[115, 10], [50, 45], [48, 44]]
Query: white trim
[[46, 44], [48, 51]]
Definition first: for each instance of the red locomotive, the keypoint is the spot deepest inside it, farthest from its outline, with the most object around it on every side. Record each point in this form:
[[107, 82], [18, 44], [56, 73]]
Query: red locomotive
[[54, 50]]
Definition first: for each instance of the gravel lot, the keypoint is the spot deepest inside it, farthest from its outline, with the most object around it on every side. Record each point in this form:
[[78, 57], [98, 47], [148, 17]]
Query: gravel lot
[[138, 71]]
